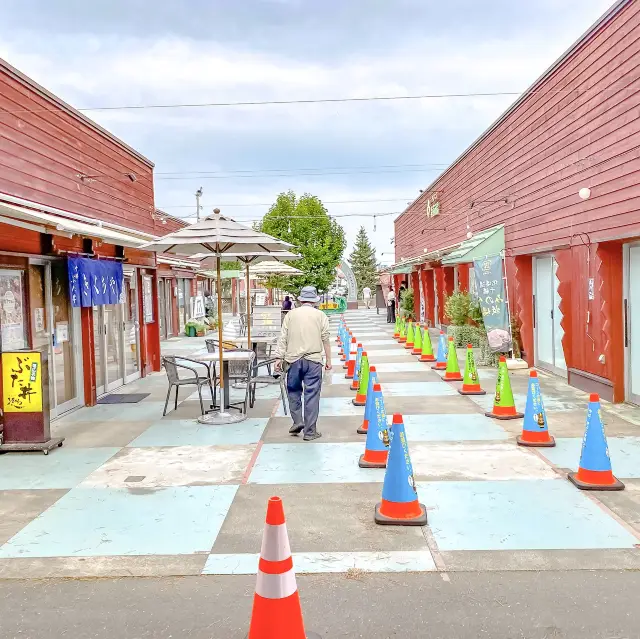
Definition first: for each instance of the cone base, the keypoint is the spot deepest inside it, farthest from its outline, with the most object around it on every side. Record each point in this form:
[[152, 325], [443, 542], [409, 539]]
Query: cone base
[[359, 401], [427, 358], [362, 431], [402, 340], [548, 444], [617, 485], [452, 377], [416, 351], [308, 635], [409, 345], [345, 365], [367, 464], [504, 417], [439, 367], [347, 376], [354, 386], [472, 392], [420, 520]]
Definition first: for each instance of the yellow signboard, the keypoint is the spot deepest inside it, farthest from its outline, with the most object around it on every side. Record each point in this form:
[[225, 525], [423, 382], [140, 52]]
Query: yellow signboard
[[22, 382]]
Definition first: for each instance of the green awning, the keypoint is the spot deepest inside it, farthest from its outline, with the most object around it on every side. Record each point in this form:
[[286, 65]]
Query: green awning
[[487, 242]]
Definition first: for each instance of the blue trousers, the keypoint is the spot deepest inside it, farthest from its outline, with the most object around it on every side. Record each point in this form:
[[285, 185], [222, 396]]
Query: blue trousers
[[306, 376]]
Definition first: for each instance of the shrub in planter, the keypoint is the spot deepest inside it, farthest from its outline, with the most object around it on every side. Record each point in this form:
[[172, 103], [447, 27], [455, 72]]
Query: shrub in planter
[[467, 334], [456, 307], [406, 304]]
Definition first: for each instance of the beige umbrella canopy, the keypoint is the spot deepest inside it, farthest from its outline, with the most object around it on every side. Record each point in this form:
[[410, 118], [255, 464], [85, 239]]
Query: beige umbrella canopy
[[222, 238], [273, 267]]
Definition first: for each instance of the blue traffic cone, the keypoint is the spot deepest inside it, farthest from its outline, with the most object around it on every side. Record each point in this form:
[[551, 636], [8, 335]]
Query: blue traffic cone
[[594, 471], [376, 448], [535, 431], [399, 505], [356, 371], [441, 360], [369, 402]]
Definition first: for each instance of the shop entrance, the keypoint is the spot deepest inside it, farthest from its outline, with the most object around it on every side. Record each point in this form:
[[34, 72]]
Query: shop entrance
[[549, 353], [632, 322], [55, 326], [116, 330]]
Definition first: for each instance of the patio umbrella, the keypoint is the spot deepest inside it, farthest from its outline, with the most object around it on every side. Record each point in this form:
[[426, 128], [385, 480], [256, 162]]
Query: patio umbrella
[[220, 237]]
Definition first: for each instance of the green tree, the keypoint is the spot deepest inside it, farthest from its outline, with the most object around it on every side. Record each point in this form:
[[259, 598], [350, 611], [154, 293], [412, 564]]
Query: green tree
[[363, 261], [305, 223]]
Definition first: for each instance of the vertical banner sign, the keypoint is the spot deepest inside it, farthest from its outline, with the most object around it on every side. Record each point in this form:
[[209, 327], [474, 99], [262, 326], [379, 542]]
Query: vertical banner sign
[[491, 295], [21, 382], [422, 300]]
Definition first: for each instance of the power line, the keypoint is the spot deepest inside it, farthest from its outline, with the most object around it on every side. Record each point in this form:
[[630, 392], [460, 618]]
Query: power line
[[382, 98]]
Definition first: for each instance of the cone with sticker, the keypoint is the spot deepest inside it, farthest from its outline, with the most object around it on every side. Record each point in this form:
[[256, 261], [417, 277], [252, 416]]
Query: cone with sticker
[[376, 448], [345, 347], [402, 338], [441, 360], [361, 396], [594, 471], [399, 505], [396, 332], [410, 336], [452, 372], [277, 612], [356, 369], [417, 340], [503, 404], [535, 431], [368, 404], [351, 354], [427, 349], [471, 381]]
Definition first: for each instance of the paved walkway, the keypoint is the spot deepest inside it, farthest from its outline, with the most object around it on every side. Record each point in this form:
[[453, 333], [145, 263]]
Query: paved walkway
[[132, 493]]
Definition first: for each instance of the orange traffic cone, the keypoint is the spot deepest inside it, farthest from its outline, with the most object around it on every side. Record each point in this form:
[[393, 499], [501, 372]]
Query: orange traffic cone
[[277, 613], [353, 351], [452, 372], [503, 404]]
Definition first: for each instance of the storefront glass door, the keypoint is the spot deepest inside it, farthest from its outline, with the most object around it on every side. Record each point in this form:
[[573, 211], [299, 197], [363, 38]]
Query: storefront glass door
[[55, 325], [131, 352], [632, 322]]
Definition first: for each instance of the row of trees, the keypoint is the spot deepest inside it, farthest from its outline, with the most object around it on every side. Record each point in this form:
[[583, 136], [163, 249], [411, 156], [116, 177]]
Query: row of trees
[[305, 223]]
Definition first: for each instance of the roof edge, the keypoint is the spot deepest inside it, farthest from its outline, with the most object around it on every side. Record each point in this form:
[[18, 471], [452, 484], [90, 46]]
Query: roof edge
[[605, 17], [67, 108]]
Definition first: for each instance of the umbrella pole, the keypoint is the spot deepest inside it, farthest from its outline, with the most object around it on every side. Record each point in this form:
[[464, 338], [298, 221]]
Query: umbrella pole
[[248, 307], [221, 370]]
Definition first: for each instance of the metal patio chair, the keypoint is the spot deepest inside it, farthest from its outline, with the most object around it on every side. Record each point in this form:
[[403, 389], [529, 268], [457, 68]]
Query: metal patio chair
[[174, 365], [270, 379]]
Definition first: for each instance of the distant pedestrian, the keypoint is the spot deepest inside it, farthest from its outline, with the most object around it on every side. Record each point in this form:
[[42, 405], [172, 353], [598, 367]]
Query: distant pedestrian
[[303, 340], [391, 307], [366, 296], [286, 304]]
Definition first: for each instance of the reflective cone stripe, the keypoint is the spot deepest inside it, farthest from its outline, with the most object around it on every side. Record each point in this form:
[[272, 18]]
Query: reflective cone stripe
[[376, 447], [276, 604], [361, 396], [471, 381], [356, 369], [441, 361], [409, 342], [594, 470], [368, 403], [452, 373], [503, 404], [534, 428], [417, 340], [427, 348], [399, 505]]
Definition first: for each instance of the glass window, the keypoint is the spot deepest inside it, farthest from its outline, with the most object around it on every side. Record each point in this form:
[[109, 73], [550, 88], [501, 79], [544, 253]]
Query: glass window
[[13, 320]]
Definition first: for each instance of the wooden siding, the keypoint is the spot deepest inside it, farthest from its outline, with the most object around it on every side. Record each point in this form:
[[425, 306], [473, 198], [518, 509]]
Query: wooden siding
[[580, 127], [43, 148]]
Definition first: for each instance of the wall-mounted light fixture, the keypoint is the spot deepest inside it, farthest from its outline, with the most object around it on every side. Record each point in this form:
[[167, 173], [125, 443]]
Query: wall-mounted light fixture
[[584, 193]]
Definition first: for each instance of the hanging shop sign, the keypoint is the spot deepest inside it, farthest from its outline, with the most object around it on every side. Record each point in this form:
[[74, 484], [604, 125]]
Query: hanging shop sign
[[22, 382], [94, 282], [491, 295], [433, 205]]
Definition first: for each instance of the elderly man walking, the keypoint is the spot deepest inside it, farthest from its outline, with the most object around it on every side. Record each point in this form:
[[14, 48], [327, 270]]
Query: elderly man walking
[[303, 340]]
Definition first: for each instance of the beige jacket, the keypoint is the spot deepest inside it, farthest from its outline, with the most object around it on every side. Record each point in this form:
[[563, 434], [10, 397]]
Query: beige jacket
[[304, 331]]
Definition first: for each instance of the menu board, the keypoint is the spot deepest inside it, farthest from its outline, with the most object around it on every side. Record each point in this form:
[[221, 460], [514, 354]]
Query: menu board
[[22, 382], [12, 324]]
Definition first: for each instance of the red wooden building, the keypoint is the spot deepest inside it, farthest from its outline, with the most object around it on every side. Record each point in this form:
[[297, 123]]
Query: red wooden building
[[555, 184], [70, 188]]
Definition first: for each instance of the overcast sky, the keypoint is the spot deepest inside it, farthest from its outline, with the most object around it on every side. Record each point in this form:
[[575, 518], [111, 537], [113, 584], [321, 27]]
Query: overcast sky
[[96, 53]]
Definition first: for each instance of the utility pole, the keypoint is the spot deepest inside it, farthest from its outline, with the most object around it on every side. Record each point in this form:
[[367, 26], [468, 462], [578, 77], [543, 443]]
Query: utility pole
[[198, 196]]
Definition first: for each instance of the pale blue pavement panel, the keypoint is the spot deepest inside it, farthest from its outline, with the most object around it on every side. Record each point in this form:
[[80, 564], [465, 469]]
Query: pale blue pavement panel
[[144, 410], [624, 453], [89, 522], [520, 399], [518, 515], [451, 428], [326, 562], [61, 468], [402, 367], [188, 432], [312, 463], [406, 389]]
